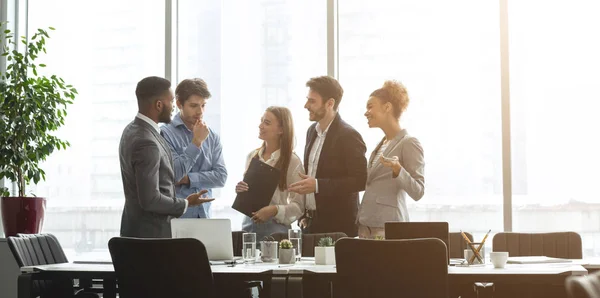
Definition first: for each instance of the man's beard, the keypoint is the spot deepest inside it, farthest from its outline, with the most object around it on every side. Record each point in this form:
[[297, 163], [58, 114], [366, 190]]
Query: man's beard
[[165, 116], [318, 114]]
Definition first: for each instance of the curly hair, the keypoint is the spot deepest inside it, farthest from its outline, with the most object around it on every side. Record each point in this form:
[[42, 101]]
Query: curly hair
[[395, 93]]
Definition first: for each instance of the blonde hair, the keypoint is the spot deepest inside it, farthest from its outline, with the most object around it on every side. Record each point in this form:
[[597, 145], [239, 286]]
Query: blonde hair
[[395, 93]]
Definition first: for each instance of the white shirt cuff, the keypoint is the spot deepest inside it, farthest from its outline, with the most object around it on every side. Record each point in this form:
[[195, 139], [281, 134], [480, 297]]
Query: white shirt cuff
[[316, 186], [186, 205]]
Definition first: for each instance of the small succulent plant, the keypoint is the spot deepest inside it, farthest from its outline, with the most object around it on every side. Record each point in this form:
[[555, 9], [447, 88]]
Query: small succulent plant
[[325, 241], [285, 244], [379, 237]]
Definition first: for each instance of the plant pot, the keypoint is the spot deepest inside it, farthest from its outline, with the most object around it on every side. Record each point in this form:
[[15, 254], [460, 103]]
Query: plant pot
[[22, 215], [325, 255], [268, 250], [287, 256]]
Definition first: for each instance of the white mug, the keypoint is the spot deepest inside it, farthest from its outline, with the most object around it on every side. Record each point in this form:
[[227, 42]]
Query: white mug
[[499, 258]]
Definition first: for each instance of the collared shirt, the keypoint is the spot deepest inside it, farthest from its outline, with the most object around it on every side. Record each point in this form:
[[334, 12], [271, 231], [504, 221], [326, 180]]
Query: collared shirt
[[149, 121], [313, 162], [204, 166], [290, 206], [155, 126]]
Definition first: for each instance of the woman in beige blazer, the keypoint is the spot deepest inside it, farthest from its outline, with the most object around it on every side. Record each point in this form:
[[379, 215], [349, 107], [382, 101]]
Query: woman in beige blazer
[[396, 167]]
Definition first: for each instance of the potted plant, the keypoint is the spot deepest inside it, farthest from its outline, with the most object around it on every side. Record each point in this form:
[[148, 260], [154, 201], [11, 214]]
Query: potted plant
[[287, 254], [379, 237], [325, 251], [32, 106], [268, 249]]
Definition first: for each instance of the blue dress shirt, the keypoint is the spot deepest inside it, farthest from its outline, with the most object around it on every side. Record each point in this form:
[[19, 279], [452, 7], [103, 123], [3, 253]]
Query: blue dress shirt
[[204, 166]]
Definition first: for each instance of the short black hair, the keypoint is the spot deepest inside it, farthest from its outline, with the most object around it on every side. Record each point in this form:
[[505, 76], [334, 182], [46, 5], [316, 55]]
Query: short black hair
[[328, 87], [189, 87], [149, 88]]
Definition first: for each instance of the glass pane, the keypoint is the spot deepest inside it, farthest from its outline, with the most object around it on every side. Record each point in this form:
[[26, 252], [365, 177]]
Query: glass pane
[[252, 54], [447, 55], [103, 49], [554, 101]]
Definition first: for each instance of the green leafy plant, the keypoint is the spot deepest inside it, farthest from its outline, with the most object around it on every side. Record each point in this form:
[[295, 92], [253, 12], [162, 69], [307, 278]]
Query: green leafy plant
[[379, 237], [326, 241], [31, 107], [285, 244]]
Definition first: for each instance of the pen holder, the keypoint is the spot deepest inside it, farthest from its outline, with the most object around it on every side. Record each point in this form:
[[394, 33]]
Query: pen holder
[[468, 254]]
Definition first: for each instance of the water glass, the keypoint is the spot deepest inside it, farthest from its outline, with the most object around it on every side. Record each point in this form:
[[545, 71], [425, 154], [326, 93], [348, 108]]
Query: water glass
[[295, 236], [249, 248]]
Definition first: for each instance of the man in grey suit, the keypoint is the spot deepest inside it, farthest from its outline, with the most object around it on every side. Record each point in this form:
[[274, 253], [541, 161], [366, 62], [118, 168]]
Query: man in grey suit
[[147, 166]]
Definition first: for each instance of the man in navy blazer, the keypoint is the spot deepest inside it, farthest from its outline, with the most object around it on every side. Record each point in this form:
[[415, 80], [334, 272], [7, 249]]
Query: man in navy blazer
[[334, 161]]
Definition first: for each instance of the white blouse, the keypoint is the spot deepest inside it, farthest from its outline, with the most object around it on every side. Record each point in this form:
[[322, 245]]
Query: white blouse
[[290, 206]]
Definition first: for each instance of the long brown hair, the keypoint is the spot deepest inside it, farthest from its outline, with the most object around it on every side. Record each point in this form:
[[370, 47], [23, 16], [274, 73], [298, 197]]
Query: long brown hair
[[286, 142]]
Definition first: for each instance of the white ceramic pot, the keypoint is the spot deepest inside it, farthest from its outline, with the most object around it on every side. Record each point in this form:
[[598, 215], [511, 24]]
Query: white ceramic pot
[[325, 255], [287, 256]]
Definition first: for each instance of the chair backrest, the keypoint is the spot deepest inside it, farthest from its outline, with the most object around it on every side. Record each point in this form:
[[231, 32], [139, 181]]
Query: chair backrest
[[391, 268], [33, 249], [414, 230], [310, 241], [51, 248], [457, 244], [237, 241], [585, 286], [279, 236], [161, 267], [558, 245]]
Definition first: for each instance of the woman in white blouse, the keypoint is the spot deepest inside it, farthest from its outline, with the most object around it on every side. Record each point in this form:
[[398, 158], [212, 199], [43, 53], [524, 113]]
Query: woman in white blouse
[[277, 132], [396, 167]]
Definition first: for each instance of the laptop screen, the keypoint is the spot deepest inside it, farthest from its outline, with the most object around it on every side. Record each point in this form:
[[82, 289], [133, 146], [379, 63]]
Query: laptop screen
[[215, 234]]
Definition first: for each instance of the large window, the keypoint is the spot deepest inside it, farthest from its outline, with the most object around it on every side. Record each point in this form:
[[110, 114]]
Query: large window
[[252, 54], [103, 49], [447, 56], [555, 101]]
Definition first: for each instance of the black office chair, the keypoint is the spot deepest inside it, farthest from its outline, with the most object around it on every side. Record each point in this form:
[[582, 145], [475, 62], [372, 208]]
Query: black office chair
[[157, 268], [31, 250], [391, 268]]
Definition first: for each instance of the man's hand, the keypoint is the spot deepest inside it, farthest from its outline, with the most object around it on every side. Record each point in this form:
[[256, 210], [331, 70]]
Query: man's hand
[[306, 185], [200, 131], [392, 163], [264, 214], [241, 187], [197, 199], [184, 181]]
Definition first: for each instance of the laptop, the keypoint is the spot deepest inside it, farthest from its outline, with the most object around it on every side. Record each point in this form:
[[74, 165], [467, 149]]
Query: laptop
[[412, 230], [215, 234]]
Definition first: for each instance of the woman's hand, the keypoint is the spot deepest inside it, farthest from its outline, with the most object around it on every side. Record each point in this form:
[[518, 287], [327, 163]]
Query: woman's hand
[[264, 214], [241, 187], [392, 163]]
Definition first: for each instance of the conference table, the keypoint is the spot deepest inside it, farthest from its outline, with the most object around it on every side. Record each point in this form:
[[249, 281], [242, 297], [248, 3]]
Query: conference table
[[289, 281]]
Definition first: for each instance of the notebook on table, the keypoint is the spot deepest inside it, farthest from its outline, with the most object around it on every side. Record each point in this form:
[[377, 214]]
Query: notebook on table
[[536, 260]]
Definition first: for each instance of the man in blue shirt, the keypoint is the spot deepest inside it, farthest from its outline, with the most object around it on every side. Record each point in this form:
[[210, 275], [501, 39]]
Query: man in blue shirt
[[197, 150]]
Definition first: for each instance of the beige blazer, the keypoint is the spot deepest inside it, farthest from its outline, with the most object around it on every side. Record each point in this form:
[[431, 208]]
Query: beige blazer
[[384, 198]]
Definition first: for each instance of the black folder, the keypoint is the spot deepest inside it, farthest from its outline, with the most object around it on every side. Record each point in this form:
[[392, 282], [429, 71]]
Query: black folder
[[262, 180]]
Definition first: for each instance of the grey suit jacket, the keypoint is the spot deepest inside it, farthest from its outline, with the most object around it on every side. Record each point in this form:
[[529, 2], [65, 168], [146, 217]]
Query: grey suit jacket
[[384, 198], [148, 182]]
